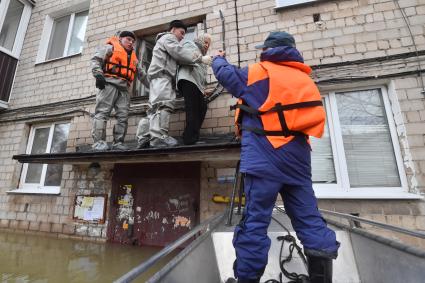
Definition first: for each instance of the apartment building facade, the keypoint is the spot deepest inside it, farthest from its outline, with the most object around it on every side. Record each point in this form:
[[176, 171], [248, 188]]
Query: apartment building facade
[[368, 61]]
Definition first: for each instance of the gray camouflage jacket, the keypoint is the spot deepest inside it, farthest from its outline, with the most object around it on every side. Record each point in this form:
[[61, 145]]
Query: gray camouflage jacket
[[195, 73], [167, 54], [97, 63]]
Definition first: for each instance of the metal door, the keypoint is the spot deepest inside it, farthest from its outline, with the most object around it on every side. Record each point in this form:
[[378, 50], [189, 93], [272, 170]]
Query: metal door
[[165, 202]]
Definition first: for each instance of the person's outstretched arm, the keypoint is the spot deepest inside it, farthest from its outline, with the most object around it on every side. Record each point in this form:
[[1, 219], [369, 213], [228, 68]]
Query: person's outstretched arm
[[229, 76]]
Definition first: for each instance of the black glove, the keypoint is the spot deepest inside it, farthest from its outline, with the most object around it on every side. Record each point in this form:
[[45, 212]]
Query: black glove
[[100, 81]]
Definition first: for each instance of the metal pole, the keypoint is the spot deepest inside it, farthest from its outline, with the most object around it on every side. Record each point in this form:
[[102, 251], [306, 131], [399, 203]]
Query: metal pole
[[223, 30], [352, 218], [232, 199], [241, 188]]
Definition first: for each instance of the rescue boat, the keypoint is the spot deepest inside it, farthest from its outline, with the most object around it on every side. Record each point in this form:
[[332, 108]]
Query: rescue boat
[[364, 256]]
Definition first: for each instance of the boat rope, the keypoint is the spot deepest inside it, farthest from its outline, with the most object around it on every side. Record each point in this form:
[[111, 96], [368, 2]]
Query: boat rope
[[293, 276]]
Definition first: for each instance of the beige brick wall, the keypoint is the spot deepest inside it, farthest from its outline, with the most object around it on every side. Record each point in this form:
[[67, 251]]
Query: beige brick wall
[[54, 214], [210, 186], [347, 31]]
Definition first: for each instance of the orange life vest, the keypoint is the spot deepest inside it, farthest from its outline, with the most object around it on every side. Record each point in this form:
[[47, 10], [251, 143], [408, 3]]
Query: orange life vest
[[293, 106], [120, 64]]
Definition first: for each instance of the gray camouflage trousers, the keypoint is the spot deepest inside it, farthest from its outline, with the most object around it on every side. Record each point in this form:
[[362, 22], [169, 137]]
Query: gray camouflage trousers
[[107, 99], [161, 104]]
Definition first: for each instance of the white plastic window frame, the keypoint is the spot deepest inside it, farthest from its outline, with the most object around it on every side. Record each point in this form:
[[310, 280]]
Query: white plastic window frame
[[142, 91], [289, 3], [32, 188], [47, 32], [342, 189], [22, 28], [332, 187]]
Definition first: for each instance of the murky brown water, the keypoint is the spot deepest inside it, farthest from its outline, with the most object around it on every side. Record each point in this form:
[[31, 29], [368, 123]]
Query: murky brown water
[[30, 258]]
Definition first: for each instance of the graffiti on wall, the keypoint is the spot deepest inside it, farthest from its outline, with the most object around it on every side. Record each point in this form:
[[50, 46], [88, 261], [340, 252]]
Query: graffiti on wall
[[125, 207]]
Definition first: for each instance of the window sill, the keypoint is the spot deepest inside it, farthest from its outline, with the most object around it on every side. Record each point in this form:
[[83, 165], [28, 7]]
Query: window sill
[[50, 191], [297, 4], [8, 52], [371, 195], [57, 59]]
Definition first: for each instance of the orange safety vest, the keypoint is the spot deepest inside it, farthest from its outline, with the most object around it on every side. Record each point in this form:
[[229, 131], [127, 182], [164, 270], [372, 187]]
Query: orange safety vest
[[119, 65], [293, 106]]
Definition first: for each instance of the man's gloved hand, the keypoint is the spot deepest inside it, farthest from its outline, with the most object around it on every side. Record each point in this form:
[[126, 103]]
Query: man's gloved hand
[[207, 60], [100, 81]]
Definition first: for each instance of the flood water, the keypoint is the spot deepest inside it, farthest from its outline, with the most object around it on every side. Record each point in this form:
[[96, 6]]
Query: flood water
[[33, 258]]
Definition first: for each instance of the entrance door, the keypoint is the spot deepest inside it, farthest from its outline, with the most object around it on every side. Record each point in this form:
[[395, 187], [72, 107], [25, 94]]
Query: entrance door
[[165, 202]]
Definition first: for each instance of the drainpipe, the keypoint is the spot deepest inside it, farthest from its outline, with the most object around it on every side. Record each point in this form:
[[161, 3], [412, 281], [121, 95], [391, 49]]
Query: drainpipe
[[237, 34]]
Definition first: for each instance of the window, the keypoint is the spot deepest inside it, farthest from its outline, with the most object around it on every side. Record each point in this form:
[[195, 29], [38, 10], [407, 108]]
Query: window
[[11, 24], [287, 3], [65, 36], [322, 162], [44, 178], [14, 18], [359, 155], [146, 46]]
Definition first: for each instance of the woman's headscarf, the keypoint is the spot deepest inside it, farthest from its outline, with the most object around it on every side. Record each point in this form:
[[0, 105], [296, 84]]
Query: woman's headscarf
[[199, 41]]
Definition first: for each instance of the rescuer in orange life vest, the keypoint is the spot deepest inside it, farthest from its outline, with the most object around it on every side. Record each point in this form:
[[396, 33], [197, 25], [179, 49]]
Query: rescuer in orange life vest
[[114, 67], [279, 108]]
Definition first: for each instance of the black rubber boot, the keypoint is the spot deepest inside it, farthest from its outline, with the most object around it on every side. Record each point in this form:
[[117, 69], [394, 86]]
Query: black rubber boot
[[319, 269]]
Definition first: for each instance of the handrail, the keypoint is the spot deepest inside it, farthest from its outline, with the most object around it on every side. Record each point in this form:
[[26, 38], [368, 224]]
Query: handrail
[[135, 272], [374, 223]]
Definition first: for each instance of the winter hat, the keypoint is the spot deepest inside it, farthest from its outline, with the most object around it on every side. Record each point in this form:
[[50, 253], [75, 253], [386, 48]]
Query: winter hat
[[177, 24], [128, 33], [276, 39]]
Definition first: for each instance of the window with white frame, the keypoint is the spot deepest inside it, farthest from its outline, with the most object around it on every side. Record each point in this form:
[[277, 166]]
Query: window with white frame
[[359, 155], [44, 178], [14, 19], [287, 3], [63, 36], [145, 48]]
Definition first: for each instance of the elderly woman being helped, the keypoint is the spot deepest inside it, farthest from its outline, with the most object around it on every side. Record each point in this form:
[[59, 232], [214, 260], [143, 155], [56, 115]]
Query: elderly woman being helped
[[191, 81]]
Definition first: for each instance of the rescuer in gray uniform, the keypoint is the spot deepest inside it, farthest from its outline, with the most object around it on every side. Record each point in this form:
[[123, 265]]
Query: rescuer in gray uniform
[[114, 67], [167, 54]]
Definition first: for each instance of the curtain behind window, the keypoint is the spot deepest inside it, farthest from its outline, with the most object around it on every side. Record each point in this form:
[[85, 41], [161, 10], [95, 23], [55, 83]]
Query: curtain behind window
[[41, 136], [367, 141], [190, 34], [58, 38], [78, 32], [54, 171], [322, 162]]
